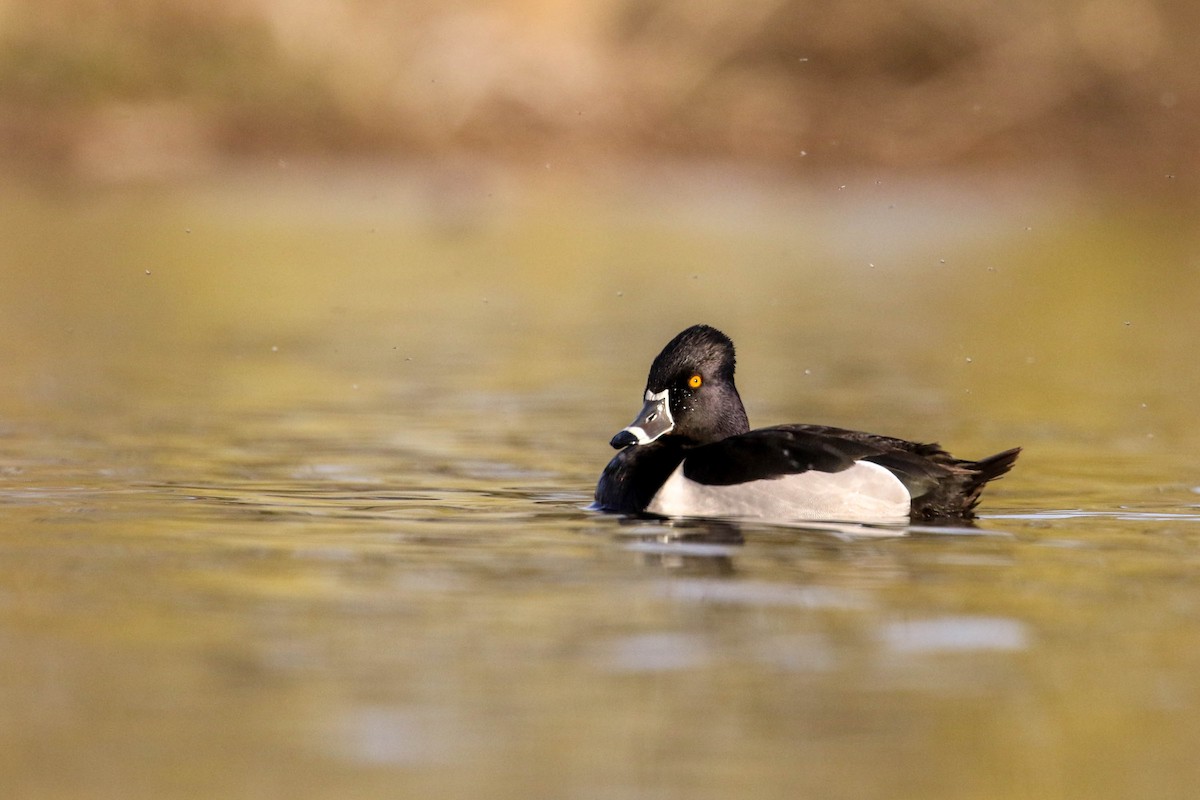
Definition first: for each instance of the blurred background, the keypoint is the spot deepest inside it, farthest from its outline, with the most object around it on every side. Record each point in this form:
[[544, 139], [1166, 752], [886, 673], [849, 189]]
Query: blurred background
[[139, 88], [890, 189], [316, 319]]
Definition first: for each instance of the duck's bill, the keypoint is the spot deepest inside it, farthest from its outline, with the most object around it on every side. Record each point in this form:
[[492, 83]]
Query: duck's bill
[[653, 421]]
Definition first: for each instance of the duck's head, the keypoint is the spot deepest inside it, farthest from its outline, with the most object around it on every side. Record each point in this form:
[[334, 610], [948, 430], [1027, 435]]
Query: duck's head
[[690, 393]]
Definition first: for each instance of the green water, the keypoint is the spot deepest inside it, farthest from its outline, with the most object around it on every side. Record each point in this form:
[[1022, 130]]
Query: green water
[[293, 467]]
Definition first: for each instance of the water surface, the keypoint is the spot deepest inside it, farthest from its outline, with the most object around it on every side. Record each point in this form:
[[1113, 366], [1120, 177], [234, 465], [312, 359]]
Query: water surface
[[294, 466]]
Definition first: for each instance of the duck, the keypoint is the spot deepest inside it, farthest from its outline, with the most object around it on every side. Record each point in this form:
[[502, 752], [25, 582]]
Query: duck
[[690, 453]]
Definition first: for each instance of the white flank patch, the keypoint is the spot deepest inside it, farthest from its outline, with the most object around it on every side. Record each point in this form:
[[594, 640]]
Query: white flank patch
[[865, 492]]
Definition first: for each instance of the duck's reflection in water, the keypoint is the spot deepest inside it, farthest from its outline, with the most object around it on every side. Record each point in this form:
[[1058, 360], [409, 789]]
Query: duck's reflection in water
[[691, 546]]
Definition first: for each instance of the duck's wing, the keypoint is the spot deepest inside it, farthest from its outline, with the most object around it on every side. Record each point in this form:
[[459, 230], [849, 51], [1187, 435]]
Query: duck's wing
[[769, 453], [939, 484]]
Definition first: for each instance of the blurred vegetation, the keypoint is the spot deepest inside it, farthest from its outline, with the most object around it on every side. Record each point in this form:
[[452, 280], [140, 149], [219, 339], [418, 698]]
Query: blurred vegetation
[[136, 87]]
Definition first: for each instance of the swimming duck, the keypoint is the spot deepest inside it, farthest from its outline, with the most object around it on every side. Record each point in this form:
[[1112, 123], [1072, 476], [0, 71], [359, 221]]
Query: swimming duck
[[691, 453]]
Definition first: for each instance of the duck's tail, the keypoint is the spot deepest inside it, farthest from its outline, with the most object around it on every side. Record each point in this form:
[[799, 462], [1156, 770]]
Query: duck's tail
[[980, 472], [958, 484]]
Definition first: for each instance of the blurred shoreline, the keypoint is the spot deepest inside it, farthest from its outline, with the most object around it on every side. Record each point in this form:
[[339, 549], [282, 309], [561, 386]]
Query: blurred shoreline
[[130, 90]]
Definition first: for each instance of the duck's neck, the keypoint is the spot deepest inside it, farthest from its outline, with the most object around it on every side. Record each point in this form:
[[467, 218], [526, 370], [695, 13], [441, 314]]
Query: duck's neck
[[736, 422], [729, 420]]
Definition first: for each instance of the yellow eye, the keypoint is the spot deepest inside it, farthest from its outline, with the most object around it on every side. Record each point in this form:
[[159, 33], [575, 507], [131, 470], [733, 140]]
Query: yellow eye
[[695, 381]]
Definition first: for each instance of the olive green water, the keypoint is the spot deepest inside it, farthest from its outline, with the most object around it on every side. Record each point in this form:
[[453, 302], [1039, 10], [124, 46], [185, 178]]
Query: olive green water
[[293, 467]]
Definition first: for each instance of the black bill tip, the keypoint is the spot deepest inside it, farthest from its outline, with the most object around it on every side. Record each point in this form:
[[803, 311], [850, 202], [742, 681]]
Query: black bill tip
[[623, 439]]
